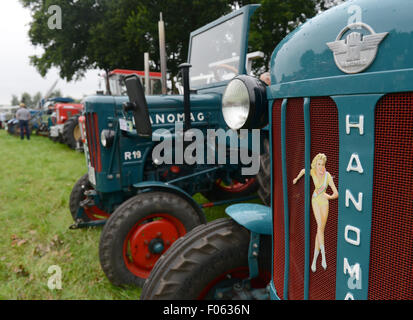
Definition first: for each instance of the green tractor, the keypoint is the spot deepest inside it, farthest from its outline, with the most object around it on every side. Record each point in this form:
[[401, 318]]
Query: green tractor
[[341, 134], [148, 155]]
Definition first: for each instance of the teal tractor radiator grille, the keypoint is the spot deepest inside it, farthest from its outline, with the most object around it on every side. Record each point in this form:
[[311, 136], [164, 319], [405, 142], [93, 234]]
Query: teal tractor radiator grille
[[390, 273]]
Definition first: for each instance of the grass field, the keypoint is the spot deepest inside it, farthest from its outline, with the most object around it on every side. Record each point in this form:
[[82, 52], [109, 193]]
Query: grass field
[[36, 179]]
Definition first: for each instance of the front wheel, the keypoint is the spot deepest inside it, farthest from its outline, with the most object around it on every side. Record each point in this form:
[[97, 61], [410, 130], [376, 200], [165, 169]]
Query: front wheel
[[210, 262], [71, 132], [140, 231], [90, 213]]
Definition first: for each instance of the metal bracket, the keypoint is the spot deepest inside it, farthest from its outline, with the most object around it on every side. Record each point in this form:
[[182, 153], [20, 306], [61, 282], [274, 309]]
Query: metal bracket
[[79, 224], [253, 253]]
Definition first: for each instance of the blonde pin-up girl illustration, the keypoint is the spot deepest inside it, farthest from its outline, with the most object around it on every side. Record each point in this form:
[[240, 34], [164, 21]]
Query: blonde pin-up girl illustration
[[319, 201]]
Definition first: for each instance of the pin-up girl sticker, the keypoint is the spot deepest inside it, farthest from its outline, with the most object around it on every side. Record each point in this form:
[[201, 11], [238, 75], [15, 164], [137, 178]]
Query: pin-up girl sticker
[[319, 201]]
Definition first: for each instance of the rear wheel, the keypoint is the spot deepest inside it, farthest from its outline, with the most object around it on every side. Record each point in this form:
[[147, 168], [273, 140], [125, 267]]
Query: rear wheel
[[90, 213], [210, 262], [140, 231], [71, 132]]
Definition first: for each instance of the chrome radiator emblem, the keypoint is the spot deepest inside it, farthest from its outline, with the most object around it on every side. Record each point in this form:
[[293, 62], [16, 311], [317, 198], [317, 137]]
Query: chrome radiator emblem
[[356, 52]]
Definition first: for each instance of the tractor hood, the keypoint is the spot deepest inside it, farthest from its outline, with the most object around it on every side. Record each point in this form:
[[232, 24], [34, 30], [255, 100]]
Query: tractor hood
[[357, 37], [164, 110]]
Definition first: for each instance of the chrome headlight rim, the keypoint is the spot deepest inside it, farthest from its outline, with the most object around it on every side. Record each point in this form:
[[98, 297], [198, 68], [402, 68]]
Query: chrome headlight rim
[[257, 117], [241, 109]]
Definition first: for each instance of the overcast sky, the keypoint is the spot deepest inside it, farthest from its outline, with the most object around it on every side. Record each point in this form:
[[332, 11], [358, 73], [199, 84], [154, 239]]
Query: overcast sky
[[16, 73]]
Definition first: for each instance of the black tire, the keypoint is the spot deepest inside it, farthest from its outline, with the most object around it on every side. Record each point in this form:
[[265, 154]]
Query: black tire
[[264, 175], [77, 195], [11, 128], [220, 192], [145, 210], [43, 130], [71, 132], [204, 255]]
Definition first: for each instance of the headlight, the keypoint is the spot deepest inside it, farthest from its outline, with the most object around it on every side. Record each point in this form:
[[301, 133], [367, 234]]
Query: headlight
[[106, 138], [236, 104], [244, 103]]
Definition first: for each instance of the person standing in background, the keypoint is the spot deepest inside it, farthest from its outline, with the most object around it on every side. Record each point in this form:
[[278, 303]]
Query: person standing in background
[[23, 115]]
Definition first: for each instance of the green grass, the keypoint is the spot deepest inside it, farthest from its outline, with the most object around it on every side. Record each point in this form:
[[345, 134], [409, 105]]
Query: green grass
[[36, 178]]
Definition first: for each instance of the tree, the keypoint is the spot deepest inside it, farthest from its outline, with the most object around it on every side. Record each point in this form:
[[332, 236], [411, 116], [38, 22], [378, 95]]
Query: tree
[[130, 28], [64, 48], [26, 99], [274, 20], [109, 34], [33, 101], [14, 100], [37, 98]]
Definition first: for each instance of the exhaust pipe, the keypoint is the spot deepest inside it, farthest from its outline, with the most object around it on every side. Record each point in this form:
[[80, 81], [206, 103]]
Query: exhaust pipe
[[162, 52], [147, 80]]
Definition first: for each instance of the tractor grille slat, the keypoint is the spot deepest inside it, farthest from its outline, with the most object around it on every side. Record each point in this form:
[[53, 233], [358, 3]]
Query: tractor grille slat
[[89, 137], [92, 136], [391, 256], [325, 139], [277, 201], [295, 145]]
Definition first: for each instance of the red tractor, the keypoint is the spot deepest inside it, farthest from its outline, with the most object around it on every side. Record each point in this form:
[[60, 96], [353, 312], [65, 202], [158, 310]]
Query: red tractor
[[66, 128], [117, 86]]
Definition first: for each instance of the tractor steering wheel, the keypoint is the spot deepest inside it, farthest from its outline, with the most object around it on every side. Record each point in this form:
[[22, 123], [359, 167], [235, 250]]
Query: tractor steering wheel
[[217, 75]]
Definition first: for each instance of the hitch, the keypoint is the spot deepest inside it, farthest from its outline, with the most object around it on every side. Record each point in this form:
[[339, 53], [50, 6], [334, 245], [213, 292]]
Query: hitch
[[89, 201], [79, 224]]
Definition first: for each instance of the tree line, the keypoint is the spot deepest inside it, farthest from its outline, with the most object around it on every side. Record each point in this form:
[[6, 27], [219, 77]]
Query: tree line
[[32, 101]]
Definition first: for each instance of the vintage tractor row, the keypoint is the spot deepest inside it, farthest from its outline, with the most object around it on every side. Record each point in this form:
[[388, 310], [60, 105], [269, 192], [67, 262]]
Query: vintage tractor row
[[65, 127], [144, 201], [57, 118], [341, 98], [46, 117]]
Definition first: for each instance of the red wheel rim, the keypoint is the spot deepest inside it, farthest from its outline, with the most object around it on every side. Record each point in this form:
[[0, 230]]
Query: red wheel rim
[[240, 273], [235, 185], [95, 213], [139, 252]]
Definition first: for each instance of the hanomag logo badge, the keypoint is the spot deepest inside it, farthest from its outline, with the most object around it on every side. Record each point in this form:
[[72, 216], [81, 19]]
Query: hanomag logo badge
[[356, 52]]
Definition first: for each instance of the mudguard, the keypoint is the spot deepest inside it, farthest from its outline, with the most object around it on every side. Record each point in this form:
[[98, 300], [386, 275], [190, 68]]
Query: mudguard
[[255, 217], [161, 186]]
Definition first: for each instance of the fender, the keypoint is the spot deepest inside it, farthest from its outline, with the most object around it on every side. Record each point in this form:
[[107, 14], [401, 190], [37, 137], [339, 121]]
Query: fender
[[160, 186], [256, 218]]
